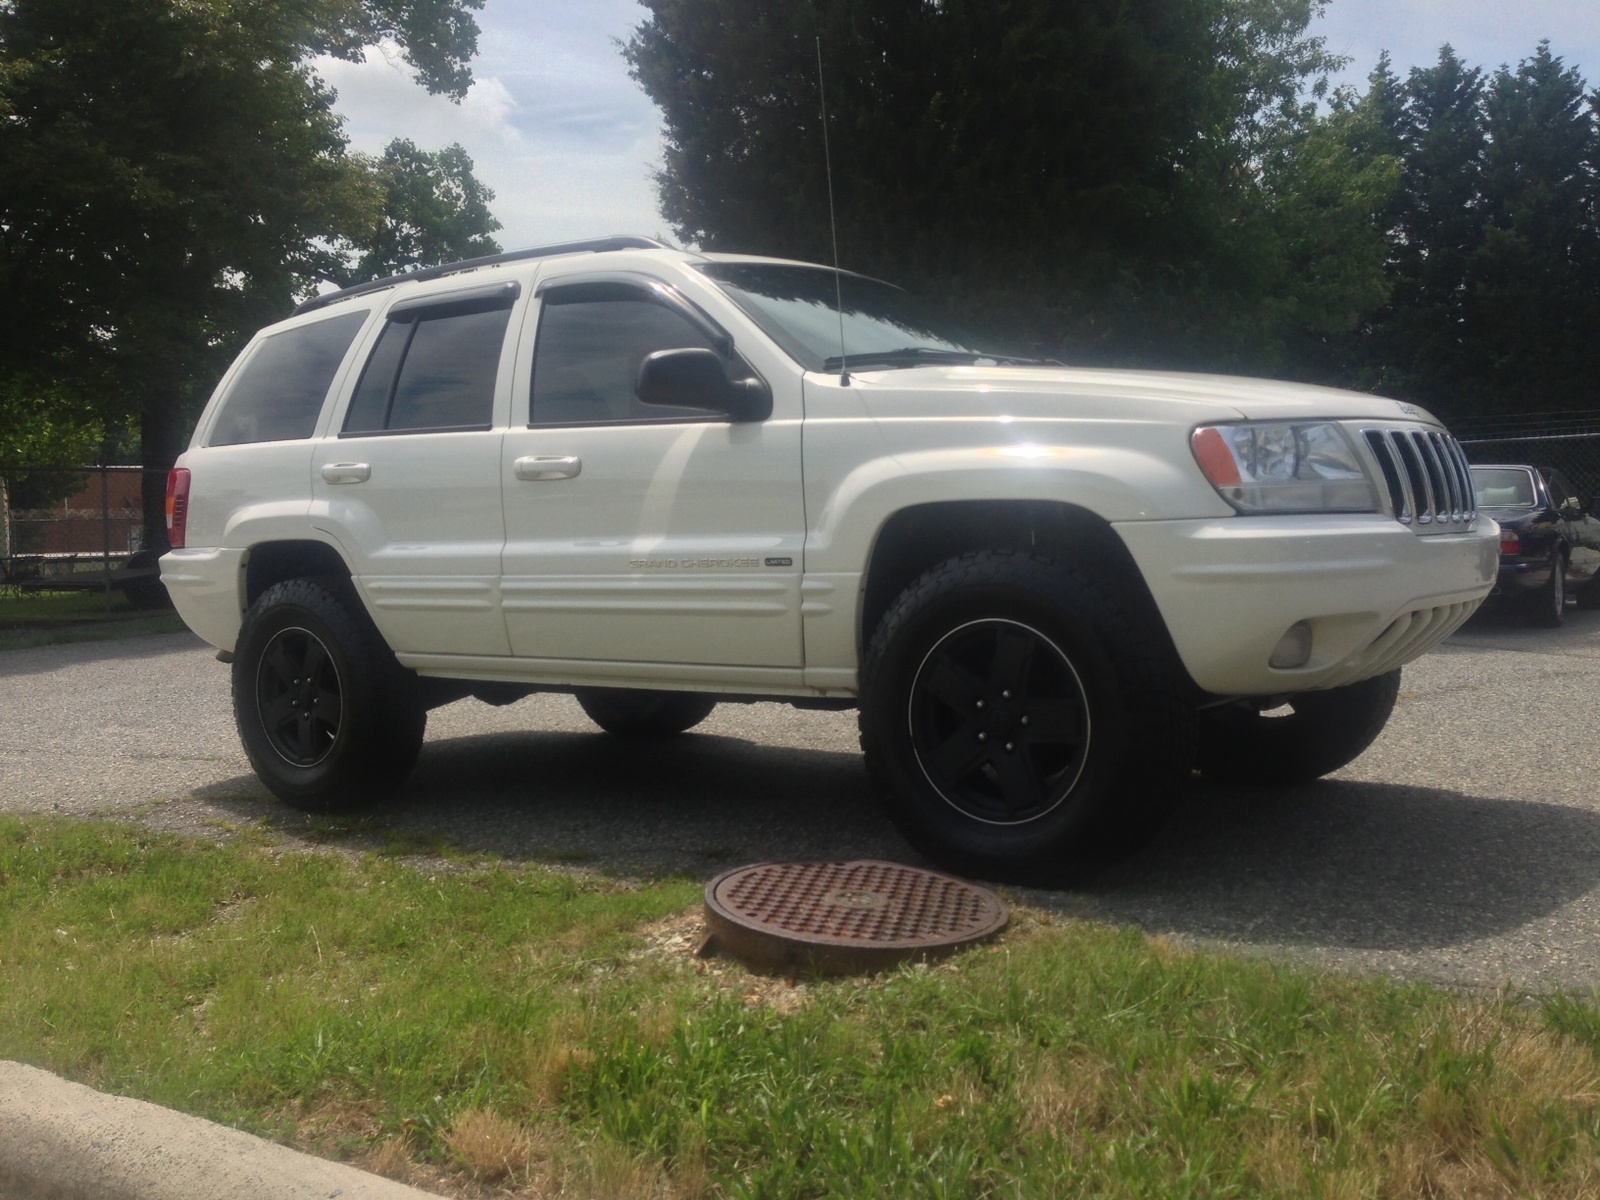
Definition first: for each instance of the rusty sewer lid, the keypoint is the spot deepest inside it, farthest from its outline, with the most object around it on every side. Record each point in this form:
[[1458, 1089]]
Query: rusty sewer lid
[[843, 917]]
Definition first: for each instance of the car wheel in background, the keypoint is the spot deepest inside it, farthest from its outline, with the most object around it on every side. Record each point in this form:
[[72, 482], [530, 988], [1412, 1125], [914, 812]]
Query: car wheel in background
[[638, 713], [1309, 735], [1016, 721], [327, 716], [1548, 606]]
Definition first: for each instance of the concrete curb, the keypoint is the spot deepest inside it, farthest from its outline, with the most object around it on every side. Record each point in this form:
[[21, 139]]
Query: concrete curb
[[63, 1141]]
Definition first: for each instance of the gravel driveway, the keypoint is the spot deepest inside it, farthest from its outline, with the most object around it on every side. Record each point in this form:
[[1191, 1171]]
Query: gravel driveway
[[1464, 847]]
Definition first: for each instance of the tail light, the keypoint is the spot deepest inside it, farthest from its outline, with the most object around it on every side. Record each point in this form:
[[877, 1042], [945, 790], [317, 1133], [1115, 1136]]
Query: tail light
[[177, 507], [1510, 543]]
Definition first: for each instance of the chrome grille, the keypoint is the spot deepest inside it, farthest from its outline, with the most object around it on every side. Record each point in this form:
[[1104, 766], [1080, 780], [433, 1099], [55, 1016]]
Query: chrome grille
[[1426, 476]]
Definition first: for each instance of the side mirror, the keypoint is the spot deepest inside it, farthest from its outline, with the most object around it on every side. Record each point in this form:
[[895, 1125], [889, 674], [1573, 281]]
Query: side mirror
[[697, 378]]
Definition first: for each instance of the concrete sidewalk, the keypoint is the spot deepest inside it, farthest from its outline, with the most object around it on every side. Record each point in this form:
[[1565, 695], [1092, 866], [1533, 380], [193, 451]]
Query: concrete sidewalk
[[64, 1141]]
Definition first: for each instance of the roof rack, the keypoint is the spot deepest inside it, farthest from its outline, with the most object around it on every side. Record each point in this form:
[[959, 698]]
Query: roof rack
[[594, 246]]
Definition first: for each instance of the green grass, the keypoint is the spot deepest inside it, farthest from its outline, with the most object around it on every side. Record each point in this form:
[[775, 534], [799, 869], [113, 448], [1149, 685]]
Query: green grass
[[468, 1023], [49, 618]]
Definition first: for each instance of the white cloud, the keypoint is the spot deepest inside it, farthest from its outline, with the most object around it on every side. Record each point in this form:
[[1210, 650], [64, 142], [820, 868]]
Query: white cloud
[[552, 122]]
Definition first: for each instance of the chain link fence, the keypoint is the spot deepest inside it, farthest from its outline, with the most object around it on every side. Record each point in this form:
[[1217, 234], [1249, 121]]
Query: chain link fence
[[1567, 441], [76, 529]]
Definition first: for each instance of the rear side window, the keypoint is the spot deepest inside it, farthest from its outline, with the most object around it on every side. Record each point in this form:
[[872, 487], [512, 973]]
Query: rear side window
[[279, 393], [432, 369]]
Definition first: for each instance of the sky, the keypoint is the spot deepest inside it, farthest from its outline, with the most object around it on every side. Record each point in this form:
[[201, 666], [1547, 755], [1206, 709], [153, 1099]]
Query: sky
[[569, 142]]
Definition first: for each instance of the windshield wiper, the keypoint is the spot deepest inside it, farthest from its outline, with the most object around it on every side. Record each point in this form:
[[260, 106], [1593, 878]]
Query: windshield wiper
[[913, 356]]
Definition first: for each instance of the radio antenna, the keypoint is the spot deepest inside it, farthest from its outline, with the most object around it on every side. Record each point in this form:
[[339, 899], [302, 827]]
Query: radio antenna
[[833, 224]]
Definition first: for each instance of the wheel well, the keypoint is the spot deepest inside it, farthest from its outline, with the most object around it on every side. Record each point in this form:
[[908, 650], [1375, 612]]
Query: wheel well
[[917, 539], [275, 562]]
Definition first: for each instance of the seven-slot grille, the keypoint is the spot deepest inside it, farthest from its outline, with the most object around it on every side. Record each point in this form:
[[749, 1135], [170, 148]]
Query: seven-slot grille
[[1430, 485]]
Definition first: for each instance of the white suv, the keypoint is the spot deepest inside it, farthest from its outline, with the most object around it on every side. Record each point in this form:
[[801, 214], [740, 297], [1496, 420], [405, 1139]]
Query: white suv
[[650, 478]]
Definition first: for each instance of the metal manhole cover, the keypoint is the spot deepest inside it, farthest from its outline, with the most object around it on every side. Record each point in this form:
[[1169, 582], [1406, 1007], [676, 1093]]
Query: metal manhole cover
[[840, 917]]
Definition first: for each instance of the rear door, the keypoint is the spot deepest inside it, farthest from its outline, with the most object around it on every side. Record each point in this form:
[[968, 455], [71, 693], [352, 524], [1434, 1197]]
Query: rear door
[[636, 533], [408, 480]]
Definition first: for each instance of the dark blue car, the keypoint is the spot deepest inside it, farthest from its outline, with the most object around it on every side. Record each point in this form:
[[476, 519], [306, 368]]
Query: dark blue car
[[1549, 538]]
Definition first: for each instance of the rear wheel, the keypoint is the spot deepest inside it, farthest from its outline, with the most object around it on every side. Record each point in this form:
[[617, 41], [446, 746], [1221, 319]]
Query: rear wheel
[[1548, 606], [1015, 721], [1303, 739], [327, 716], [638, 713]]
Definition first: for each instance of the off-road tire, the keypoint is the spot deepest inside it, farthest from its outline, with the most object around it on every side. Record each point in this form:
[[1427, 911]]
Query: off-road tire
[[1323, 732], [308, 647], [644, 714], [1082, 792]]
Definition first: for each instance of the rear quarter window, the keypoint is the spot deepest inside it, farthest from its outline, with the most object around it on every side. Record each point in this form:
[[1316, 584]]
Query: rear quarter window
[[278, 394]]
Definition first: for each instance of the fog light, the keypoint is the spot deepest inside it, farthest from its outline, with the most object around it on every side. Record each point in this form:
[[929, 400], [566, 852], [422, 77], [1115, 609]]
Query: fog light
[[1293, 648]]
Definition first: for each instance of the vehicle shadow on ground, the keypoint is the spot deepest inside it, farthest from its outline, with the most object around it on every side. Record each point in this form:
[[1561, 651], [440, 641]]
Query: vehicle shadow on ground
[[1356, 866], [1335, 863], [691, 805]]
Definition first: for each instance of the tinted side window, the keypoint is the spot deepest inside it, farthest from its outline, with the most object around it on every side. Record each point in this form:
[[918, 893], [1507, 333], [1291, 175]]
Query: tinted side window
[[279, 393], [436, 372], [586, 360]]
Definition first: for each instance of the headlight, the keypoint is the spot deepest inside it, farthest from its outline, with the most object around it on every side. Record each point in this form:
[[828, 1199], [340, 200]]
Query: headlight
[[1283, 467]]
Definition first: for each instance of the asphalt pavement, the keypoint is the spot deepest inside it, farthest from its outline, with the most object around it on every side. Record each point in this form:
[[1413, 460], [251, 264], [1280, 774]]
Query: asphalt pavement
[[1463, 848]]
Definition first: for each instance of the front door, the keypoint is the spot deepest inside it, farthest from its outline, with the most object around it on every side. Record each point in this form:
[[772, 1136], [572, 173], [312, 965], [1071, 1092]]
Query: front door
[[637, 533]]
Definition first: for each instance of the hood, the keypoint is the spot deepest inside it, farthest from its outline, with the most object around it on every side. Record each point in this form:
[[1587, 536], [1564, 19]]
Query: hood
[[1038, 391]]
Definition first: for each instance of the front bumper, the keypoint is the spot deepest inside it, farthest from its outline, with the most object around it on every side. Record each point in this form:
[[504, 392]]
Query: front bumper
[[1375, 594]]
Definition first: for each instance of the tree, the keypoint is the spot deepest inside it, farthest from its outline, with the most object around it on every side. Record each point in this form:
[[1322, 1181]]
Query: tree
[[434, 211], [1534, 293], [1494, 257], [171, 174], [1092, 177]]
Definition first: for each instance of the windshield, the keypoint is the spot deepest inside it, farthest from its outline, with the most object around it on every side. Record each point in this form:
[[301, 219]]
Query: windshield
[[796, 306], [1503, 487]]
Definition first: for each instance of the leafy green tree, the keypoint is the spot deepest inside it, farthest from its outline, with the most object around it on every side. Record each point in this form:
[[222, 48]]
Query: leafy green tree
[[1098, 178], [171, 174], [1534, 294], [434, 211]]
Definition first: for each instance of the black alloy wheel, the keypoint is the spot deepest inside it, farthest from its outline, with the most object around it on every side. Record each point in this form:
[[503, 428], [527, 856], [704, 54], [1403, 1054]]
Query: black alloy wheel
[[1018, 720], [999, 721], [300, 697], [328, 717]]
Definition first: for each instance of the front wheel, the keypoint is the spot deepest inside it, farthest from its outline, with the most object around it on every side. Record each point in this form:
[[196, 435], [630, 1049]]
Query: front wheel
[[638, 713], [328, 718], [1017, 723], [1303, 739]]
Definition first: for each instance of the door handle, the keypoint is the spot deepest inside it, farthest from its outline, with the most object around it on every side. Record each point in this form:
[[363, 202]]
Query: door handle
[[346, 472], [547, 466]]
